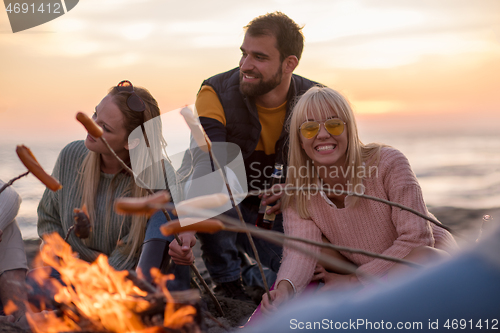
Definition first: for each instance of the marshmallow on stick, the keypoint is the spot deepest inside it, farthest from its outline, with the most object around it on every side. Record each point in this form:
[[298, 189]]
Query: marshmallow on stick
[[83, 227], [199, 135], [202, 202]]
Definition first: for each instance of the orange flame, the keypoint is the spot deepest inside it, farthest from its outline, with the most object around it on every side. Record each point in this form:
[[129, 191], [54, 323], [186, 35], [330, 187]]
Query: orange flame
[[174, 319], [97, 295]]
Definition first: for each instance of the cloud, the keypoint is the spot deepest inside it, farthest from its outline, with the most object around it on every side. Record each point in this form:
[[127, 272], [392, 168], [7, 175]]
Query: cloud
[[136, 31], [118, 60], [172, 46]]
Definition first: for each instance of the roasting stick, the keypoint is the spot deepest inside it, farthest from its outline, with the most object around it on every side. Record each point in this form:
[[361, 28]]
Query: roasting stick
[[210, 225], [205, 144], [369, 197], [213, 225], [13, 180], [96, 132], [174, 226]]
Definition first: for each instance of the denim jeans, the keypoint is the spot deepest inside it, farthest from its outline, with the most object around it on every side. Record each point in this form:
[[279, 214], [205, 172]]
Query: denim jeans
[[220, 250], [182, 273]]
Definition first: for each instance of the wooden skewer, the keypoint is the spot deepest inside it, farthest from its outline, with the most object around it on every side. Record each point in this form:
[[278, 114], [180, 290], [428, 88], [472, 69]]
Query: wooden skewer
[[274, 236], [10, 182], [205, 144], [369, 197]]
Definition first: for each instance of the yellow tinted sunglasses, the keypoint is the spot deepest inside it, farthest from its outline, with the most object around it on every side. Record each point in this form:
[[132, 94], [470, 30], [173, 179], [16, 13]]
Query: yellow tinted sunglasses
[[310, 129]]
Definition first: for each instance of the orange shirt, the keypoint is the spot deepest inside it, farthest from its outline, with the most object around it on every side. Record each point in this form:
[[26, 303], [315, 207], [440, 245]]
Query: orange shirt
[[271, 119]]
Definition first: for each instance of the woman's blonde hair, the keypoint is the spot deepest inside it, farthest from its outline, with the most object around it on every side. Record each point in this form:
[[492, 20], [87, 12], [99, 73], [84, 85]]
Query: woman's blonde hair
[[91, 170], [322, 103]]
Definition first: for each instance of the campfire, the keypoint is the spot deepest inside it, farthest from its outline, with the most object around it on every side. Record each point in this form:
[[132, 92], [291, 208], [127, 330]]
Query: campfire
[[97, 298]]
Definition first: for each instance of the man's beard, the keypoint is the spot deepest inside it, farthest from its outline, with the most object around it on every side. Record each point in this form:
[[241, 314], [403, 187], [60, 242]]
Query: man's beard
[[261, 88]]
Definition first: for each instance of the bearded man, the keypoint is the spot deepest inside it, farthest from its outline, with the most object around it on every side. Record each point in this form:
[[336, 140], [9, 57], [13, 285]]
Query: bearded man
[[248, 106]]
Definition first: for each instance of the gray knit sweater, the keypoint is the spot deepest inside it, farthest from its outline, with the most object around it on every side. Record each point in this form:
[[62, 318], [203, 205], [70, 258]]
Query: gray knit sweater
[[55, 211]]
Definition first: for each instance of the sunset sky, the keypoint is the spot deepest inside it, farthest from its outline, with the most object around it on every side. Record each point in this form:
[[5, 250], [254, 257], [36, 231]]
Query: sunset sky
[[396, 60]]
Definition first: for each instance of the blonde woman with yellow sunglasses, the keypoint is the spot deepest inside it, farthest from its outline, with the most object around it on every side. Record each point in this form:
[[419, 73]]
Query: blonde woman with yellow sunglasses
[[326, 154]]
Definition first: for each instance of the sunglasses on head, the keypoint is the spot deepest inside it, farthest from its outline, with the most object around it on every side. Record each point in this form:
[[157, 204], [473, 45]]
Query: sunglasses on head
[[310, 128], [134, 102]]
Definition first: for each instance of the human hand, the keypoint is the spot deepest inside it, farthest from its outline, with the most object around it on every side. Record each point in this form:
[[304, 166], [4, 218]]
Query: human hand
[[322, 275], [335, 281], [277, 298], [275, 193], [182, 254], [280, 295]]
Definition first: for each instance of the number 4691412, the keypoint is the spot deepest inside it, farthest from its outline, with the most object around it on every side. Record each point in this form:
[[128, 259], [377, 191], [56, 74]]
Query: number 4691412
[[31, 8], [464, 324]]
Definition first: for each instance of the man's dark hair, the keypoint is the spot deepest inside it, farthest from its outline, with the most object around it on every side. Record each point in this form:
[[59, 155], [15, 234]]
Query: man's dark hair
[[288, 34]]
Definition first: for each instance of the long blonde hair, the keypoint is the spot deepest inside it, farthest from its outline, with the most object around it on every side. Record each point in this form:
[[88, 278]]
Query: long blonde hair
[[91, 169], [323, 102]]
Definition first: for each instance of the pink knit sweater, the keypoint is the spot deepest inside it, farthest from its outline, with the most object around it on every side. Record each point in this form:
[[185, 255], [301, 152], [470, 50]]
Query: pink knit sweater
[[368, 225]]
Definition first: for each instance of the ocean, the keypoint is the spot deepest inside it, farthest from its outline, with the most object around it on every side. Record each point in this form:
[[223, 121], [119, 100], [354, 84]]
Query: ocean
[[454, 169]]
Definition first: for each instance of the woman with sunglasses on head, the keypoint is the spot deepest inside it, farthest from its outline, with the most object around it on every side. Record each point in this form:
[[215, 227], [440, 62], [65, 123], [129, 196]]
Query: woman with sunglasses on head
[[92, 176], [326, 153]]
